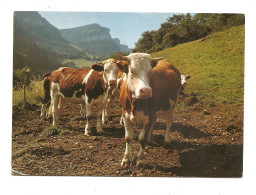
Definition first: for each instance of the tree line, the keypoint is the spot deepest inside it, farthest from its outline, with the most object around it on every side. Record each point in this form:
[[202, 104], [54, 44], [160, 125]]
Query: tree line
[[185, 28]]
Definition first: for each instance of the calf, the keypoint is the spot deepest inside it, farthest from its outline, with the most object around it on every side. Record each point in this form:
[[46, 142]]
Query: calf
[[150, 90], [89, 87]]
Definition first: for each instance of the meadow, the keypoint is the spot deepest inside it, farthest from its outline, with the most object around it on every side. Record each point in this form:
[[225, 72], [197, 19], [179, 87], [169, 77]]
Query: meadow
[[216, 66]]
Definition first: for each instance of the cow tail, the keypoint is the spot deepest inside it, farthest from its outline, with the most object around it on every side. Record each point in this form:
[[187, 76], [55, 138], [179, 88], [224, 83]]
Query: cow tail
[[46, 85], [47, 74]]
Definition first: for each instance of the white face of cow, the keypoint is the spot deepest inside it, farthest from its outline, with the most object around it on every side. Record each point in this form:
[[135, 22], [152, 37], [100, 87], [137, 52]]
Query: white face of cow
[[138, 75], [110, 71], [184, 79]]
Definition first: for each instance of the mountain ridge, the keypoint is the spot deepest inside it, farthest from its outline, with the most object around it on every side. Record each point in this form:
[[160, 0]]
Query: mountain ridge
[[93, 37]]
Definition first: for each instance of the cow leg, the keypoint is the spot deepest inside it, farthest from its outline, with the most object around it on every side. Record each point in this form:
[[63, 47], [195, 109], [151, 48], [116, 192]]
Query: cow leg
[[169, 120], [88, 117], [55, 102], [44, 109], [143, 140], [99, 121], [121, 121], [105, 113], [83, 110], [151, 129], [104, 116], [129, 128], [46, 100], [121, 118], [49, 110]]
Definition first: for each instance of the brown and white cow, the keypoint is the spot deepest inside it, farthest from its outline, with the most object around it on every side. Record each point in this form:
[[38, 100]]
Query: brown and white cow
[[89, 87], [150, 90]]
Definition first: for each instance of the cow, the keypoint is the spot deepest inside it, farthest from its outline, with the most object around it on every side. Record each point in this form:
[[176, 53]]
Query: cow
[[89, 87], [115, 93], [150, 90], [184, 79]]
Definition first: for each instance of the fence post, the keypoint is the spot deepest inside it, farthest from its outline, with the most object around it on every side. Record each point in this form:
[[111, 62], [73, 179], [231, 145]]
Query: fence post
[[26, 80]]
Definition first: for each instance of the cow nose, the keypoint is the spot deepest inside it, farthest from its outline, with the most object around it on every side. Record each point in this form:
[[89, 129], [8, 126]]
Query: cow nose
[[145, 92], [112, 83]]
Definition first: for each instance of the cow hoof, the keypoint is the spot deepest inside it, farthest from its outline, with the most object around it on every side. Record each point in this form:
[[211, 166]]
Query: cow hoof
[[126, 163], [87, 133], [167, 145], [100, 131], [167, 141], [140, 163]]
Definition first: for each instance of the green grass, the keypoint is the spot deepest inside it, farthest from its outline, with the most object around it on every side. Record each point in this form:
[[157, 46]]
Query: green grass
[[34, 94], [216, 66], [52, 131], [80, 63]]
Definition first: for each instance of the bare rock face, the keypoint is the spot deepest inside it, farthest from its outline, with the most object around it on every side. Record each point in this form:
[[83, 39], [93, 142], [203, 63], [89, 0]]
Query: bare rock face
[[95, 39]]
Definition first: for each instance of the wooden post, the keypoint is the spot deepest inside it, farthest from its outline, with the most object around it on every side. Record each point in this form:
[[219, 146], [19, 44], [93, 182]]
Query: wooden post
[[25, 83]]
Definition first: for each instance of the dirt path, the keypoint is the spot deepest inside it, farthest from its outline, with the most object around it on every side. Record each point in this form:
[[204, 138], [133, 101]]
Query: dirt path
[[203, 144]]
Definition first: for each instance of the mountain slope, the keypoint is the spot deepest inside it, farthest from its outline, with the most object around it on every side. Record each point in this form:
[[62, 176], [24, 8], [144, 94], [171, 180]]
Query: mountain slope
[[39, 45], [216, 66], [95, 39], [26, 51]]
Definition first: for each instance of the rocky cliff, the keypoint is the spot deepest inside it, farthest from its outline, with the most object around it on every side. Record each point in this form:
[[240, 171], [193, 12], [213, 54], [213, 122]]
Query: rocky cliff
[[95, 39]]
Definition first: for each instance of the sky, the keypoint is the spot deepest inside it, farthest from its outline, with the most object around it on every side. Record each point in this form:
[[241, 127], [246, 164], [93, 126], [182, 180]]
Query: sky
[[126, 26]]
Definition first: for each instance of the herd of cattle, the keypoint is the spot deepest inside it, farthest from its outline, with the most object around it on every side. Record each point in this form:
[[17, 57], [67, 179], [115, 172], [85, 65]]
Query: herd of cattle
[[147, 88]]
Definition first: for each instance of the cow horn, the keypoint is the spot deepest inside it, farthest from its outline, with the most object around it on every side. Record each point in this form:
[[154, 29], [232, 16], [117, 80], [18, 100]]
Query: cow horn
[[157, 59], [122, 57]]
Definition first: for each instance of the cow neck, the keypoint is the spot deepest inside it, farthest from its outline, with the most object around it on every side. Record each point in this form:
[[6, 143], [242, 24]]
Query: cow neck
[[103, 84], [129, 100], [142, 105]]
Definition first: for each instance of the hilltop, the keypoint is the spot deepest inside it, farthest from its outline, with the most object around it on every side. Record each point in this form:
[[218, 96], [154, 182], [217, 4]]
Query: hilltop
[[94, 39], [216, 66]]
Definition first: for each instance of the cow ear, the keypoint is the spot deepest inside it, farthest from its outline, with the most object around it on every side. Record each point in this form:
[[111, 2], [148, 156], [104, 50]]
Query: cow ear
[[97, 67], [123, 65], [154, 61], [187, 76]]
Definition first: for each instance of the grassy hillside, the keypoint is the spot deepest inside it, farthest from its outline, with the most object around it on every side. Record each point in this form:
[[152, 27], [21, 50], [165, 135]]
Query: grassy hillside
[[216, 66], [80, 63]]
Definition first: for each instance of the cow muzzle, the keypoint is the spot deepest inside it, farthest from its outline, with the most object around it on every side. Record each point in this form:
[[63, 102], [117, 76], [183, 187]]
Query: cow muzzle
[[112, 83], [145, 93]]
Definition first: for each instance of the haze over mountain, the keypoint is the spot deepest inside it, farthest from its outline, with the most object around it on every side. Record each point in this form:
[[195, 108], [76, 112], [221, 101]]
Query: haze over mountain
[[94, 39]]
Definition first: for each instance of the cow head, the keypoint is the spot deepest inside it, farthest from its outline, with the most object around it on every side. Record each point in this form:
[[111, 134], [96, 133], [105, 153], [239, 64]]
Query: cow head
[[109, 69], [138, 70], [184, 79]]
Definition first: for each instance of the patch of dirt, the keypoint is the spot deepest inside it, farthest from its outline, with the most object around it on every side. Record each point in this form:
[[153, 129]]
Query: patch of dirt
[[202, 145]]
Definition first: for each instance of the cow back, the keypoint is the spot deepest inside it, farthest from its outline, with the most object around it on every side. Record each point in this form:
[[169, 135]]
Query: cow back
[[69, 80], [165, 82]]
